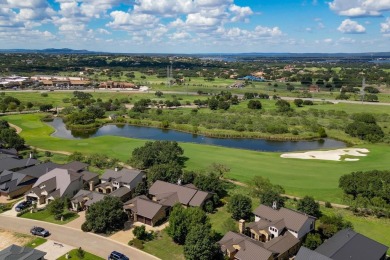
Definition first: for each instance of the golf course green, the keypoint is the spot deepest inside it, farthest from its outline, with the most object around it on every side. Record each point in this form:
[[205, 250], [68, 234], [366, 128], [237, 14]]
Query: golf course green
[[299, 177]]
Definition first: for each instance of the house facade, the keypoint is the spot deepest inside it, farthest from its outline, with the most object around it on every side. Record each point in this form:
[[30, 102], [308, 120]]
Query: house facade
[[57, 183], [142, 209]]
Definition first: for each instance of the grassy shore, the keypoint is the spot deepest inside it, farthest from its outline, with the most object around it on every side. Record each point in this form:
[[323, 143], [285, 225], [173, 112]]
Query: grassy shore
[[299, 177]]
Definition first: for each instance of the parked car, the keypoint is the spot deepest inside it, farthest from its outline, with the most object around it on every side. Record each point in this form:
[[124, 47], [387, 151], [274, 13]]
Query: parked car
[[23, 205], [117, 256], [39, 231]]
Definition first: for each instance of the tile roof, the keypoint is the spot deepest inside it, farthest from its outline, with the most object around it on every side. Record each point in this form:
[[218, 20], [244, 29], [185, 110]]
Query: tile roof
[[347, 244], [143, 206], [294, 220], [15, 252]]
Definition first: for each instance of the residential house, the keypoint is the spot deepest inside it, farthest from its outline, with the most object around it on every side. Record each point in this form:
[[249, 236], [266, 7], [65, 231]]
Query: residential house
[[14, 184], [346, 244], [273, 222], [278, 232], [5, 153], [84, 198], [169, 194], [14, 164], [57, 183], [15, 252], [163, 196], [120, 183], [146, 211], [241, 247]]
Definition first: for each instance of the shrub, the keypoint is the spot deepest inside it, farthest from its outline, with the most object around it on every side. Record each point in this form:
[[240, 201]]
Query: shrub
[[328, 204], [86, 227], [44, 94]]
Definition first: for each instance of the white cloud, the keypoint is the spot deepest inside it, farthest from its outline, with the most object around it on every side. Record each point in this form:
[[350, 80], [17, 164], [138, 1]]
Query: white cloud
[[356, 8], [240, 13], [346, 40], [132, 21], [180, 36], [385, 27], [349, 26]]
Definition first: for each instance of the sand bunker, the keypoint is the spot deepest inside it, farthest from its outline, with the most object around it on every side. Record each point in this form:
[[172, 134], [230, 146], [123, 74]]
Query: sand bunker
[[332, 155]]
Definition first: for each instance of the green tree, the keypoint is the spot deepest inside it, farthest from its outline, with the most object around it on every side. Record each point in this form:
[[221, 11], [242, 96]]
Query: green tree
[[106, 215], [312, 241], [210, 182], [56, 208], [331, 224], [199, 244], [254, 104], [240, 206], [169, 172], [158, 152], [45, 107], [309, 206], [271, 196], [283, 106], [213, 104], [140, 232], [10, 139], [76, 156], [298, 102], [260, 185]]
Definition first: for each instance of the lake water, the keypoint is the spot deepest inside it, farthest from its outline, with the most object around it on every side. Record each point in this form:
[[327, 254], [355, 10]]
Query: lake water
[[172, 135]]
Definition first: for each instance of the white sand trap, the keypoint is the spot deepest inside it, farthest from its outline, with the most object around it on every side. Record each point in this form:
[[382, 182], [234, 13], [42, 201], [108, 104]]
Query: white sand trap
[[332, 155]]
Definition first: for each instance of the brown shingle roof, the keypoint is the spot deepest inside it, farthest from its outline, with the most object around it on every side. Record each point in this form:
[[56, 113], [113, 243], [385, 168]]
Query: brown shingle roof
[[186, 195], [142, 206], [281, 244], [294, 220], [249, 248]]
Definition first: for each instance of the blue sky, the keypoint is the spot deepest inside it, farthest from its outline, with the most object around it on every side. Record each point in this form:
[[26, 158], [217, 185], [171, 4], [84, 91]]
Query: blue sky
[[197, 26]]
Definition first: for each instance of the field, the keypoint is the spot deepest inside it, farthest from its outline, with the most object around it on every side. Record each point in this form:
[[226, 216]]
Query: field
[[299, 177]]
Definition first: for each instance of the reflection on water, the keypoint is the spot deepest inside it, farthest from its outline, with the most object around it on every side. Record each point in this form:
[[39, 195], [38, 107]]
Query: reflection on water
[[172, 135]]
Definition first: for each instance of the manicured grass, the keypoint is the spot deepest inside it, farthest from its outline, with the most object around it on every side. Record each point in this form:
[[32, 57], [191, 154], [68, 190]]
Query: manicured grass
[[299, 177], [44, 215], [36, 242], [87, 256], [372, 227], [164, 248]]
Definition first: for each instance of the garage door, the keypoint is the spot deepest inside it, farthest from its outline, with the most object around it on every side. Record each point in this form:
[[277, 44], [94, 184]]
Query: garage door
[[141, 219], [148, 221]]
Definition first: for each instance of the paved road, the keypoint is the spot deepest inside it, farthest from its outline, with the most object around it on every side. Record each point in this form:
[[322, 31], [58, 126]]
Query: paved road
[[95, 244]]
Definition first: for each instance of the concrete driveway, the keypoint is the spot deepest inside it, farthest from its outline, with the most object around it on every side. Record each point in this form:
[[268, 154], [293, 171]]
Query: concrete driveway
[[54, 249], [95, 244], [78, 221]]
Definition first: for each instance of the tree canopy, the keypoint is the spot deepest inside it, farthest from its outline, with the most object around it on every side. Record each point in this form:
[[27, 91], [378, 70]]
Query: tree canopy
[[309, 206], [240, 206], [106, 215], [157, 152]]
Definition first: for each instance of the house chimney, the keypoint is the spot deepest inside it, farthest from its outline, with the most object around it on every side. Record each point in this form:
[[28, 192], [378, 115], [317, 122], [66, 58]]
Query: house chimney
[[31, 155], [91, 185], [241, 226], [116, 169], [179, 182], [274, 205]]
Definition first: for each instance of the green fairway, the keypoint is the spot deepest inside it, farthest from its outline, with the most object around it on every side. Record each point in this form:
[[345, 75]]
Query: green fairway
[[299, 177]]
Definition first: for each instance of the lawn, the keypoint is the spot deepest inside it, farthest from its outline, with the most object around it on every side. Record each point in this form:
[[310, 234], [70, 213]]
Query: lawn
[[374, 228], [299, 177], [44, 215], [164, 248], [87, 256], [37, 241]]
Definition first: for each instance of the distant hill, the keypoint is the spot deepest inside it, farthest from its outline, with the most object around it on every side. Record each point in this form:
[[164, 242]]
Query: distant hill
[[242, 55], [49, 51]]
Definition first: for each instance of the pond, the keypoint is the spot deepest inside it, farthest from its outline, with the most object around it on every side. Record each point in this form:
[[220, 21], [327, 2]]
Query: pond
[[172, 135]]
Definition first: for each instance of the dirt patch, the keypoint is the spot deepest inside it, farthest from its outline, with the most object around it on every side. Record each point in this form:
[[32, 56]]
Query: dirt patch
[[9, 238], [17, 128]]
